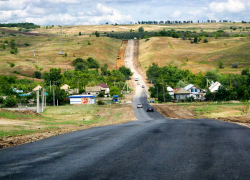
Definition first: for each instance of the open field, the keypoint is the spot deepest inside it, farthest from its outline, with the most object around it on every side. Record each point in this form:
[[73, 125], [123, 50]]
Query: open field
[[196, 57], [21, 127]]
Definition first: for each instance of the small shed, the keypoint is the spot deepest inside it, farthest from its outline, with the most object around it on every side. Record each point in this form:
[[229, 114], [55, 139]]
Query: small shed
[[115, 98], [82, 99]]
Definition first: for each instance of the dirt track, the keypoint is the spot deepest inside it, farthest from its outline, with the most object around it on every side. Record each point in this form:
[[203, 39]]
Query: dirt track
[[19, 32]]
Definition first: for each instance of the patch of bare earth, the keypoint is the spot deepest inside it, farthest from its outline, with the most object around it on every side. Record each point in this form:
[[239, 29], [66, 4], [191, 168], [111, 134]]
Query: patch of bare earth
[[175, 112], [182, 112]]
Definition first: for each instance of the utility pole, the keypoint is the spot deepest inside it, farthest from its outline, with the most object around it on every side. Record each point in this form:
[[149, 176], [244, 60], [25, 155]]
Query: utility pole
[[42, 99], [37, 101], [78, 84], [53, 96], [57, 94], [157, 92], [164, 92]]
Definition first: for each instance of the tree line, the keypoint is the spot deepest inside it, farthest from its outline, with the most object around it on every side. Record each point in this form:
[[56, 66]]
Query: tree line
[[25, 25]]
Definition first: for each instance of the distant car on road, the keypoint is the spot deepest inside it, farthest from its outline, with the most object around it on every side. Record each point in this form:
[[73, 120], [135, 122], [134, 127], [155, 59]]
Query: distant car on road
[[139, 106], [150, 108], [143, 86], [152, 101], [138, 83]]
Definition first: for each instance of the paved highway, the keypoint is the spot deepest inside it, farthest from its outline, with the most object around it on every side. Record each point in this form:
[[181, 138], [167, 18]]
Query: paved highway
[[151, 148]]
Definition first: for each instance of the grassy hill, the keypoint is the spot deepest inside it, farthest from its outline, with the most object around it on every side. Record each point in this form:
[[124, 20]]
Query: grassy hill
[[196, 57], [47, 46], [162, 50]]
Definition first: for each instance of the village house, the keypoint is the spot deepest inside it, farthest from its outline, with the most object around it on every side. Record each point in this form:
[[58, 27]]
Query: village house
[[181, 94], [70, 91], [105, 88], [196, 92], [170, 91], [93, 90]]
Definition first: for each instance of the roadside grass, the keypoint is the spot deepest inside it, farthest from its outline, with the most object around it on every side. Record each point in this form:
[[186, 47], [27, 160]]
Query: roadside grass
[[215, 110], [65, 118]]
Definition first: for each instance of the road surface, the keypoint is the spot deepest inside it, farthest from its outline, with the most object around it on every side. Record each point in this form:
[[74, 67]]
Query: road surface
[[151, 148]]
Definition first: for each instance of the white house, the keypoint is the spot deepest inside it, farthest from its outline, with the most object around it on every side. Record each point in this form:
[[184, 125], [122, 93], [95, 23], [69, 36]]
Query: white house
[[104, 87], [196, 92], [214, 86], [170, 91]]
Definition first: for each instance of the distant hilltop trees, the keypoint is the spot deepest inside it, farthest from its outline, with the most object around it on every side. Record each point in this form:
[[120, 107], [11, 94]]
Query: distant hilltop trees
[[25, 25], [183, 22]]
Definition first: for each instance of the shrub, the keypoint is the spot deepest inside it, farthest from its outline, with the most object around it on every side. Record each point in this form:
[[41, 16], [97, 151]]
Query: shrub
[[16, 72], [26, 44], [10, 102], [12, 64], [1, 100], [100, 102], [220, 64], [80, 33], [234, 65], [37, 74], [89, 43], [205, 40]]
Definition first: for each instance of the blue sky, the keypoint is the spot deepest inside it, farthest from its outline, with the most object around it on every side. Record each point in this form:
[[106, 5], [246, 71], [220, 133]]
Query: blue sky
[[89, 12]]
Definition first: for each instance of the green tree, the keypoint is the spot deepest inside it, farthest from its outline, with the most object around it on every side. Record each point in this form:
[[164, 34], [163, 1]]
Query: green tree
[[80, 33], [141, 29], [209, 95], [37, 74], [54, 76], [92, 63], [12, 44], [104, 69], [10, 102], [115, 91], [195, 39], [126, 71], [220, 64], [97, 34]]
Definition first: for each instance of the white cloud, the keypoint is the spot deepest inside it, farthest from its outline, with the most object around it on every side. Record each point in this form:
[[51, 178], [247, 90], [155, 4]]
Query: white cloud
[[176, 14], [233, 6]]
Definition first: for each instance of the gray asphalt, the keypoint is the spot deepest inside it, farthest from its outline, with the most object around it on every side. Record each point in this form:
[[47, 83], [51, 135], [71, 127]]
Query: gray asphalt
[[151, 148]]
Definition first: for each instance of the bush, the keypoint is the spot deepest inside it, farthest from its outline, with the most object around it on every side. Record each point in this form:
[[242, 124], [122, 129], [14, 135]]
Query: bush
[[12, 65], [205, 40], [37, 74], [234, 65], [26, 44], [220, 64], [16, 72], [100, 102], [10, 102], [89, 43], [1, 100]]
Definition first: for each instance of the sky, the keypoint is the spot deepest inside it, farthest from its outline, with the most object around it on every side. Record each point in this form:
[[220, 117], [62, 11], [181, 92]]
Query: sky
[[95, 12]]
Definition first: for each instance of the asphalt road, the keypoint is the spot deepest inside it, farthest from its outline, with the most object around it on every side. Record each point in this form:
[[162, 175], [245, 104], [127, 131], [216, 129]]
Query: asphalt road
[[151, 148]]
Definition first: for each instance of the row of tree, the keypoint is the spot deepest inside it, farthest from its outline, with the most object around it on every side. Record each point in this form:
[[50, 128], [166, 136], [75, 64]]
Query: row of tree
[[141, 34], [25, 25]]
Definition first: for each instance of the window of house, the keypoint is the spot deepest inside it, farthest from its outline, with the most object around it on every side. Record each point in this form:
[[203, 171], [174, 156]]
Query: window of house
[[196, 90], [192, 90]]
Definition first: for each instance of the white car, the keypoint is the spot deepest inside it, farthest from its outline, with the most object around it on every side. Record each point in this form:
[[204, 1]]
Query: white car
[[139, 106], [138, 83]]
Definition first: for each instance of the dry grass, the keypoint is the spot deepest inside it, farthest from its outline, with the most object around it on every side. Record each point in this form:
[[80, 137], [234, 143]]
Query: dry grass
[[195, 57], [103, 49]]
